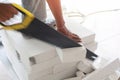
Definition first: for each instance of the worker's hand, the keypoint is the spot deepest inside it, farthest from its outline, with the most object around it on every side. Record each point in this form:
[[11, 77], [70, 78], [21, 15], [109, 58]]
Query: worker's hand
[[7, 11]]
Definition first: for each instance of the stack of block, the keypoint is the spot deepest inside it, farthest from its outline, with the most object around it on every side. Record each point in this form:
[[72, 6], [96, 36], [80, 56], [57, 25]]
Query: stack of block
[[42, 61], [32, 61], [107, 72]]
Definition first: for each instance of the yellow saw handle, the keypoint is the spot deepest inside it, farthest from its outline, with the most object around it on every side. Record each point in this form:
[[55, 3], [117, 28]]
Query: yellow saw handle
[[26, 21]]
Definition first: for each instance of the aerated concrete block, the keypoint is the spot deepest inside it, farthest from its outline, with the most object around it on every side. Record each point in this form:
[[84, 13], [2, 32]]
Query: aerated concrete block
[[71, 54], [68, 73], [64, 66], [85, 67], [43, 56], [32, 47], [45, 65], [59, 76], [34, 75], [74, 78], [114, 76], [46, 77]]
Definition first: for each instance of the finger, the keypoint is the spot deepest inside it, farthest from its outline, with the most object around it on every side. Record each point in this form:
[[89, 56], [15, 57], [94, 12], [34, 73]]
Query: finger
[[6, 15], [9, 13], [13, 10], [2, 19]]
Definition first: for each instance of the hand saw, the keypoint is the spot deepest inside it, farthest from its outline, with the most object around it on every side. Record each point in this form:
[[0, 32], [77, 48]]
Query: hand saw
[[35, 28]]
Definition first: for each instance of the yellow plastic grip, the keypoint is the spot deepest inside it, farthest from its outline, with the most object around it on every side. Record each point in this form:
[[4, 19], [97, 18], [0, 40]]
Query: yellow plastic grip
[[28, 18]]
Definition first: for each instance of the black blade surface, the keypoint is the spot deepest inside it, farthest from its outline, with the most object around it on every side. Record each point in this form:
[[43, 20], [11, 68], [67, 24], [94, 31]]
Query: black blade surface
[[41, 31]]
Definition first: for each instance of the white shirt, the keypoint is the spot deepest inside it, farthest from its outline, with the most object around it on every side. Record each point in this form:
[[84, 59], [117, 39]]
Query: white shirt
[[11, 1]]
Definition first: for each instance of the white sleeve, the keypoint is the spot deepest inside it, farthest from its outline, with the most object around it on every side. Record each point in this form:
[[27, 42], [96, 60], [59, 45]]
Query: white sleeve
[[4, 1], [11, 1]]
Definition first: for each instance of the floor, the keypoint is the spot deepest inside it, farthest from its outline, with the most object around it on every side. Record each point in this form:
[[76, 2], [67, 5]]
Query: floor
[[102, 17]]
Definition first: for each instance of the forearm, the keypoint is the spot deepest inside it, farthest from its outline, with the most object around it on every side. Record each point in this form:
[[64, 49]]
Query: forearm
[[55, 6]]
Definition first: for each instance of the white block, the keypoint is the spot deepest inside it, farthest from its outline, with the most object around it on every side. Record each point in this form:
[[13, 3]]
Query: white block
[[114, 76], [64, 66], [80, 74], [68, 73], [31, 46], [72, 54], [85, 67], [45, 65], [103, 73], [74, 78], [58, 76], [20, 71], [11, 54], [47, 77], [44, 56], [36, 75], [9, 48]]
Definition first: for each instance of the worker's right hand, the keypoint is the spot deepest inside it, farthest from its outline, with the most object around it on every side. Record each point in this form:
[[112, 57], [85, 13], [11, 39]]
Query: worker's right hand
[[7, 11]]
